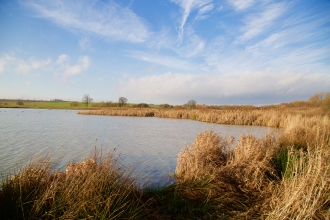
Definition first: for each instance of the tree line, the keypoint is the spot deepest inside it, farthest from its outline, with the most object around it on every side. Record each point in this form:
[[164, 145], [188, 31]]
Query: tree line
[[122, 101], [87, 99]]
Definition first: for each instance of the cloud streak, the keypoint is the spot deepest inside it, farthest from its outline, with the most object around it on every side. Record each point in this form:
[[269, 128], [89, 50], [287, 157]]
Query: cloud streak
[[232, 51], [166, 61], [258, 23], [202, 6], [106, 20], [241, 4]]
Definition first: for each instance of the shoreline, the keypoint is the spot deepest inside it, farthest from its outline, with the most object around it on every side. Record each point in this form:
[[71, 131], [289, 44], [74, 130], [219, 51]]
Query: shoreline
[[259, 177]]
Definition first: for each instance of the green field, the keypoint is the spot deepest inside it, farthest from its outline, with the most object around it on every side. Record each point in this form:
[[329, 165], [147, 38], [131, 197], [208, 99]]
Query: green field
[[57, 105], [39, 104]]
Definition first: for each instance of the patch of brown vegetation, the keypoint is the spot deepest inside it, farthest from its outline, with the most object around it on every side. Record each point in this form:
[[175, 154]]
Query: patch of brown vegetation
[[247, 180]]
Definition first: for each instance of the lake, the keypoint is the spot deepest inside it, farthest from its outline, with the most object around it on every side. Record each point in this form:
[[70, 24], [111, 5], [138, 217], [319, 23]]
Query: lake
[[149, 145]]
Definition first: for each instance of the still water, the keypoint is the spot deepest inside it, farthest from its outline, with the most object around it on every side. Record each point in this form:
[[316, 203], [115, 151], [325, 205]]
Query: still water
[[149, 145]]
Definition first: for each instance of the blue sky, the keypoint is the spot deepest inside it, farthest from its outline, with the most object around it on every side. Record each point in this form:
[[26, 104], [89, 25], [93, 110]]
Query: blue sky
[[165, 51]]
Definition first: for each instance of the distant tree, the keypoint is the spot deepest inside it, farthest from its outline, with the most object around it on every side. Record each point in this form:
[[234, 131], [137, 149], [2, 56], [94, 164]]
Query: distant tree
[[165, 106], [191, 104], [141, 105], [319, 98], [108, 104], [315, 99], [87, 99], [122, 101]]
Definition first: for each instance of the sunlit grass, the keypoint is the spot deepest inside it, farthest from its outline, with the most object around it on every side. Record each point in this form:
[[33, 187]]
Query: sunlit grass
[[283, 175], [39, 104], [94, 188]]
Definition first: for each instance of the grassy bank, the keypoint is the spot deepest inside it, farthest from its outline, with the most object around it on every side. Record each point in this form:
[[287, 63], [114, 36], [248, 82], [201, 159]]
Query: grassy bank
[[38, 104], [61, 104], [95, 188], [284, 176], [271, 117]]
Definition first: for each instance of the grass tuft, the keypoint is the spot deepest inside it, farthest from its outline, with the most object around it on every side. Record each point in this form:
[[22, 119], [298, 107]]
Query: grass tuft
[[94, 188], [283, 175]]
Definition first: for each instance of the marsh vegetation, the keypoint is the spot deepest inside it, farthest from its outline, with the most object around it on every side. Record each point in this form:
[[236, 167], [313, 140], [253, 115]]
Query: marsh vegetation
[[279, 176]]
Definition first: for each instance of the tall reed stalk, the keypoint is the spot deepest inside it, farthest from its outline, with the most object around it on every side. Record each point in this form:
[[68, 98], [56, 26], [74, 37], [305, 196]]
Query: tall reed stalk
[[279, 176], [95, 188], [283, 176], [271, 117]]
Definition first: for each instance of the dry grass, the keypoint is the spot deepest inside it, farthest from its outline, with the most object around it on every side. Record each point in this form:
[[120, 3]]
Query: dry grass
[[93, 189], [279, 177], [304, 191], [236, 181], [271, 117]]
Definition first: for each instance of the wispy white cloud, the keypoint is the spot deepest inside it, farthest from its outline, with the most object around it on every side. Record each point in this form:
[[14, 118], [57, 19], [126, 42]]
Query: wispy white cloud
[[203, 10], [192, 46], [296, 44], [33, 66], [268, 54], [167, 61], [202, 6], [255, 24], [228, 88], [62, 60], [9, 63], [241, 4], [106, 20], [66, 70], [247, 49], [163, 39]]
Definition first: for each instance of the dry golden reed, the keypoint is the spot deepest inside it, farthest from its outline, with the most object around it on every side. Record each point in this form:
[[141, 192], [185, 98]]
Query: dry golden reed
[[95, 188], [271, 117], [304, 191], [247, 180], [283, 175], [280, 176], [236, 180]]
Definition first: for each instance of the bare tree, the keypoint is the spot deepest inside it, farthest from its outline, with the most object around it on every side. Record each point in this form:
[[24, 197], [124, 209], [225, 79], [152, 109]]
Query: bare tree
[[87, 99], [122, 101], [191, 104]]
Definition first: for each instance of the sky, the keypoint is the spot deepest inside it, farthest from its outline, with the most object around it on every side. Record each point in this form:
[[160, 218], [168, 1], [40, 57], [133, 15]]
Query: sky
[[165, 51]]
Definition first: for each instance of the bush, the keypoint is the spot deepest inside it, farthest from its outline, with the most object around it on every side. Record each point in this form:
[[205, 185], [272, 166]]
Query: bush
[[20, 103], [74, 104], [165, 106], [191, 104], [141, 105]]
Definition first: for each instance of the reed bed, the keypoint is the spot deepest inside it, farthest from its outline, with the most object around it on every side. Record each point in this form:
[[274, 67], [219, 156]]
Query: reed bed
[[95, 188], [271, 117], [283, 176], [280, 176]]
